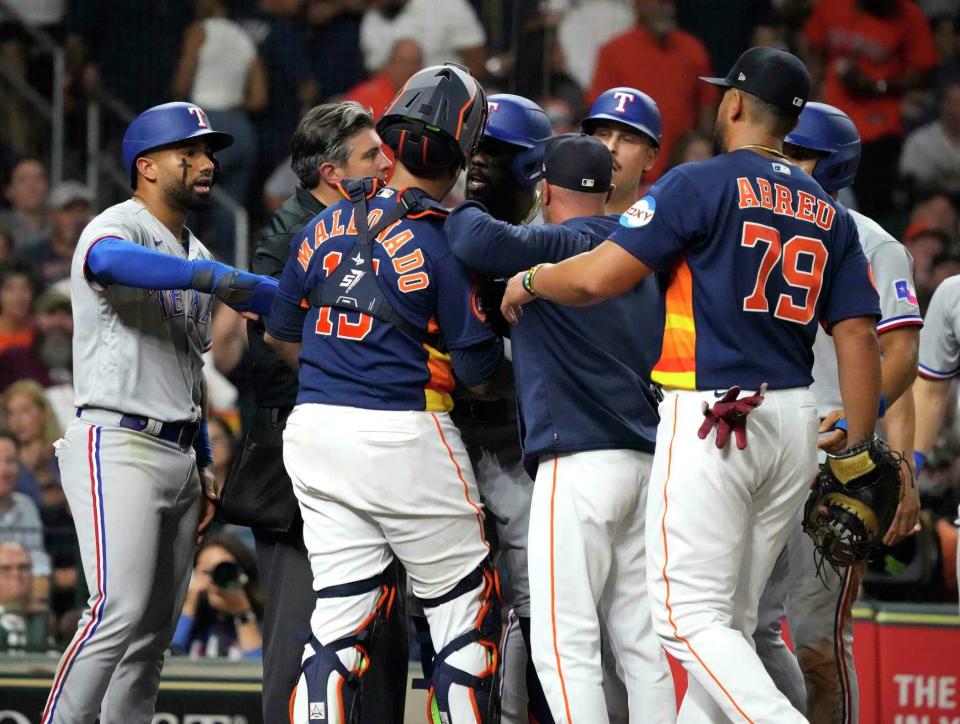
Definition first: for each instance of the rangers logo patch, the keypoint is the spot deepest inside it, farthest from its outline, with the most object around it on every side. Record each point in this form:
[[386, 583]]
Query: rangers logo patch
[[640, 214], [905, 292]]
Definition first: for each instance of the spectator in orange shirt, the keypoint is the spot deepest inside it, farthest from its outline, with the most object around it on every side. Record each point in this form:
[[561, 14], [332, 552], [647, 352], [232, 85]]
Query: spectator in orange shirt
[[17, 290], [406, 58], [664, 62], [868, 53]]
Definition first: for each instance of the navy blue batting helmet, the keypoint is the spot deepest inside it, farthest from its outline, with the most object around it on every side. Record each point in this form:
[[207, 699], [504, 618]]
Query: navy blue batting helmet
[[627, 106], [522, 123], [164, 125], [830, 131]]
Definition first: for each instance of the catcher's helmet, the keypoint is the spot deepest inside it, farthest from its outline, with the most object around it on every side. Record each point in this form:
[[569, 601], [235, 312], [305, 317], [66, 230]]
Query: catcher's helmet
[[522, 123], [830, 131], [164, 125], [436, 119], [627, 106]]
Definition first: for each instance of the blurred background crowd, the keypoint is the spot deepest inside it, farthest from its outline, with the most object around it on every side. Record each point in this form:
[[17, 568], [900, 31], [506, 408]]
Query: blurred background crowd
[[73, 73]]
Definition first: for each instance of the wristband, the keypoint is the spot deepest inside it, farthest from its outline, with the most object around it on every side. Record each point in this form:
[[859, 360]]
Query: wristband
[[527, 281], [201, 445], [919, 460], [841, 424]]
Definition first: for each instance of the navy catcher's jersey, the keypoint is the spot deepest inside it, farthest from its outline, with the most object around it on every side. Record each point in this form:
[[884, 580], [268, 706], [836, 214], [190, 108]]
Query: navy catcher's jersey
[[349, 358], [756, 254]]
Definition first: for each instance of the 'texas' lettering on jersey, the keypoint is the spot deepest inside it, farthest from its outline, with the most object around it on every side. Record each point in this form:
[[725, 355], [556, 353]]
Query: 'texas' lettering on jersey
[[760, 193], [172, 304], [406, 265]]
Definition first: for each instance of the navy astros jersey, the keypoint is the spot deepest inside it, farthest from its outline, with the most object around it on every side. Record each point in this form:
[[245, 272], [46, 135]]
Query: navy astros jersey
[[348, 358], [757, 255], [581, 372]]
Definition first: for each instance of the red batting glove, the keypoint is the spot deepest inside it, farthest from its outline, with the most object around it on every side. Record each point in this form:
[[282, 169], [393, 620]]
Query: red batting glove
[[728, 414]]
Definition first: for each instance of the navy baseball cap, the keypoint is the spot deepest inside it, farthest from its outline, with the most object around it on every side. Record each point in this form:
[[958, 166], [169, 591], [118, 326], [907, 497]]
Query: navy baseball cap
[[579, 163], [771, 74]]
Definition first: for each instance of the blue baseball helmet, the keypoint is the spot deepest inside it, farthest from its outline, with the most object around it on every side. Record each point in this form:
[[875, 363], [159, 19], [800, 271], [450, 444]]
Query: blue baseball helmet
[[164, 125], [830, 131], [522, 123], [628, 106]]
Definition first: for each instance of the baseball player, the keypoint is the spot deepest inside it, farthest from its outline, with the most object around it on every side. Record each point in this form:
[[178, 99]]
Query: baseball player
[[939, 364], [756, 255], [503, 175], [332, 142], [826, 145], [378, 468], [588, 423], [628, 123], [133, 460]]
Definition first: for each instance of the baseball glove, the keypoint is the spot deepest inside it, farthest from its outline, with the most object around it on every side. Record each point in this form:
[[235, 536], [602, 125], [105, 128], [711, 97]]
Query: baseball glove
[[853, 502]]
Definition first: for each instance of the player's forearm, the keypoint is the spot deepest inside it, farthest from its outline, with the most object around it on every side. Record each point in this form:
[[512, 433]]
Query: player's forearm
[[930, 398], [601, 273], [899, 425], [289, 352], [899, 349], [858, 360]]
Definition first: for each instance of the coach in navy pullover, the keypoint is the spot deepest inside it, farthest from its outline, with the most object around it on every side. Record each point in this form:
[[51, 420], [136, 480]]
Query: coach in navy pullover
[[582, 373]]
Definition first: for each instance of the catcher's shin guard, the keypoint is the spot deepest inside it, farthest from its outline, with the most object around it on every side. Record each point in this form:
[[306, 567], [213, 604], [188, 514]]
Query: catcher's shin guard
[[483, 685], [314, 698]]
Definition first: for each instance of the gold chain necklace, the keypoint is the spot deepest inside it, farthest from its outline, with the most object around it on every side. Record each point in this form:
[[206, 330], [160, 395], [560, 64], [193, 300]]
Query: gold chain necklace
[[758, 147]]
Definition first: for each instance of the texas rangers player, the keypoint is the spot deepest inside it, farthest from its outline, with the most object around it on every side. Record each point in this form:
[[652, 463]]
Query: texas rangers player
[[133, 460], [826, 145], [738, 315], [377, 466], [503, 175], [939, 365], [628, 123], [588, 423]]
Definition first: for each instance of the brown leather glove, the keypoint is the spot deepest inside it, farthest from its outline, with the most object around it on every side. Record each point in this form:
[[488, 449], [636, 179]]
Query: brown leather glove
[[730, 413]]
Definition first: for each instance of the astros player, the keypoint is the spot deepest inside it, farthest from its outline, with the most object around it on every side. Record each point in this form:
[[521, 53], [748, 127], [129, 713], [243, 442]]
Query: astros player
[[628, 123], [756, 255], [826, 145], [939, 365], [589, 423], [133, 460], [504, 174], [378, 468]]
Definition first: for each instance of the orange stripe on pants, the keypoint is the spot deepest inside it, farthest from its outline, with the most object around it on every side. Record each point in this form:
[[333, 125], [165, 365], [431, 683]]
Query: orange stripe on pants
[[666, 558], [553, 595]]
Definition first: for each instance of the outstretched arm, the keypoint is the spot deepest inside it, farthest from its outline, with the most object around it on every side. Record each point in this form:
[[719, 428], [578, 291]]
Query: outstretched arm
[[119, 261]]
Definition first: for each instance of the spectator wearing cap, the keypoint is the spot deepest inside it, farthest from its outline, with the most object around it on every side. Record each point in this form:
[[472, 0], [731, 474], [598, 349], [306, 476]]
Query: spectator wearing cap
[[589, 426], [70, 205], [931, 154], [867, 54], [664, 62], [375, 94], [17, 290], [27, 194], [20, 520]]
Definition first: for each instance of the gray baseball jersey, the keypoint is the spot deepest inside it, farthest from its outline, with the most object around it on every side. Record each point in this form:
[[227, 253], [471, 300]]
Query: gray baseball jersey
[[892, 269], [940, 338], [138, 351]]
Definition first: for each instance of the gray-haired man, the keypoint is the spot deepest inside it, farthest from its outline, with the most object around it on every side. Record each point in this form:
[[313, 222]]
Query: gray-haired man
[[332, 142]]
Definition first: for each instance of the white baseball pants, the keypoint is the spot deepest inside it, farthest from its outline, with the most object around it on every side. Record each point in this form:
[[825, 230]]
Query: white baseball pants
[[373, 484], [716, 522], [587, 564]]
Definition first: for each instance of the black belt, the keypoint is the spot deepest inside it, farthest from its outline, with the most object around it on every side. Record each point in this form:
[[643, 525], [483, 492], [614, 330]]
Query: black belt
[[489, 412], [179, 433]]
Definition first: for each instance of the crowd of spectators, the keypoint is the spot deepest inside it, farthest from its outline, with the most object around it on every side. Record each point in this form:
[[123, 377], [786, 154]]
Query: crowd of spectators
[[256, 65]]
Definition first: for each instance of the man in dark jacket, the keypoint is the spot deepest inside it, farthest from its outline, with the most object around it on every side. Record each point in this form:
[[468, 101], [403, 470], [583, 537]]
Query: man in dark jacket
[[332, 142]]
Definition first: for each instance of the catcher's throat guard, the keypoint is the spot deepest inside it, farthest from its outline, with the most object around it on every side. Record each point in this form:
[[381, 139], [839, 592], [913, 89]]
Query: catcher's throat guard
[[853, 502]]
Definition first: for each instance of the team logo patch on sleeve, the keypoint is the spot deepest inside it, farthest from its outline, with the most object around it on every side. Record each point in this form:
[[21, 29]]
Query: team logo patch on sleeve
[[905, 291], [640, 214]]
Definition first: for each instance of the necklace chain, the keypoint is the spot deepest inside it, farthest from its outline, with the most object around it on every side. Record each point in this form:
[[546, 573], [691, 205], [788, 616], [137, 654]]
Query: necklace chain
[[759, 147]]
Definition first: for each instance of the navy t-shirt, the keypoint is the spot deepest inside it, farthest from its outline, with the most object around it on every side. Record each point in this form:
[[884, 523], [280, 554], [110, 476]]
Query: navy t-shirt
[[757, 255], [349, 358]]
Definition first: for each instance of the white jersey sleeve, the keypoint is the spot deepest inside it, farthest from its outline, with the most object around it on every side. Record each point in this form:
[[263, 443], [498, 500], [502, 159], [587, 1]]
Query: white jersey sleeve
[[939, 345], [117, 221]]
